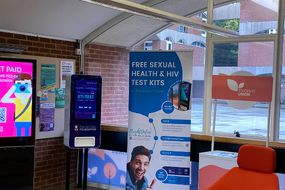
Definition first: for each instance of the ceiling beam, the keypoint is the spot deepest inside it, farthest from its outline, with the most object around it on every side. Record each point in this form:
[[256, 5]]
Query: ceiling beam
[[97, 32], [143, 10], [100, 30]]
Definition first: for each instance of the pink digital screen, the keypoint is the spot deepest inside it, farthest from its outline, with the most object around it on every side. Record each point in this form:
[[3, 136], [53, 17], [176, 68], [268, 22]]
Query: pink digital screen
[[16, 98]]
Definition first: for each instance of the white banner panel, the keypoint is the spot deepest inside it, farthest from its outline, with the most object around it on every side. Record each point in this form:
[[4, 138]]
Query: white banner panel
[[159, 120]]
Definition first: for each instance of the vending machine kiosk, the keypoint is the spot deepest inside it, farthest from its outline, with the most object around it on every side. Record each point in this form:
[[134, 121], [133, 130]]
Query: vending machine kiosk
[[83, 111]]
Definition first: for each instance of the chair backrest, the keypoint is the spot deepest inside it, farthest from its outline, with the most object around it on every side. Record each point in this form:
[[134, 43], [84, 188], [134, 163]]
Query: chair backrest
[[256, 171], [257, 158]]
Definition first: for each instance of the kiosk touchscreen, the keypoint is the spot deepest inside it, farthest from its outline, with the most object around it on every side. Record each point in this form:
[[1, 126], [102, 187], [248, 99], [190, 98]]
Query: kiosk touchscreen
[[83, 111]]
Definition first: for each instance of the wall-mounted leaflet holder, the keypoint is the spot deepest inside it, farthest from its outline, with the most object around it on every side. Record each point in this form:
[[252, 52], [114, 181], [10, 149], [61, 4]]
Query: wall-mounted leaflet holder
[[83, 111]]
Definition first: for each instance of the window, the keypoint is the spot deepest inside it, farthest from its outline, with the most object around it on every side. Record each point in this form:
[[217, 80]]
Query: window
[[148, 45], [203, 16], [248, 17], [282, 101], [226, 55], [181, 41], [182, 28], [268, 31], [198, 44], [257, 59], [168, 39], [168, 43], [272, 31], [251, 17]]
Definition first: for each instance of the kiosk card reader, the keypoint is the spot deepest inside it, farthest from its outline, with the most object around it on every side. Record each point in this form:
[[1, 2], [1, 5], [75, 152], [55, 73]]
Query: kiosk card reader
[[83, 111]]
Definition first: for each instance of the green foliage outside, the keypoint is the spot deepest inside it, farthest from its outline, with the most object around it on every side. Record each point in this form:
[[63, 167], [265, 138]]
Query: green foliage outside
[[230, 24], [226, 54]]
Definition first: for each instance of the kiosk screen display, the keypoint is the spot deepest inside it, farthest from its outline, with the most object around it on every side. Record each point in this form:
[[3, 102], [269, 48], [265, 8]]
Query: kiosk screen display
[[85, 100]]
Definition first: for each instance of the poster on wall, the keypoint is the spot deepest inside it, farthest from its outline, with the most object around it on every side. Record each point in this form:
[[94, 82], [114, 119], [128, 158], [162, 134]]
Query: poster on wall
[[47, 94], [16, 98], [66, 68], [159, 120], [59, 97]]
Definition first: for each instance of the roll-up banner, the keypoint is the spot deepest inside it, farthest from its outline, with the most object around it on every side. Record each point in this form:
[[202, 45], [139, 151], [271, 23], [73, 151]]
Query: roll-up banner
[[159, 120]]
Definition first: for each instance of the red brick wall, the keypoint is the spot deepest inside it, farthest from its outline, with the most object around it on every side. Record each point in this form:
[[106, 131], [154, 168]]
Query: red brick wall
[[112, 64], [255, 54], [50, 154], [252, 12], [50, 165]]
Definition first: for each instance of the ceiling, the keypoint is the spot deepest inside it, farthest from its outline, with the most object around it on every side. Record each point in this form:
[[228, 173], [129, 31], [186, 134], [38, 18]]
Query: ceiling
[[77, 20]]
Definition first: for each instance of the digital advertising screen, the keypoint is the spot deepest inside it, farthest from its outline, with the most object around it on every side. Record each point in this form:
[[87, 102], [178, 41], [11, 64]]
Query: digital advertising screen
[[85, 100], [17, 98]]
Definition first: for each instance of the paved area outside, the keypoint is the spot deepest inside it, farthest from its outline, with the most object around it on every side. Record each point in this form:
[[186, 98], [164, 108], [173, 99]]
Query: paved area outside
[[251, 121]]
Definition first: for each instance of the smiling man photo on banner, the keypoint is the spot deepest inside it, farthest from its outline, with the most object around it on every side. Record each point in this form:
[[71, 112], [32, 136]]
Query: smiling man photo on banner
[[137, 168]]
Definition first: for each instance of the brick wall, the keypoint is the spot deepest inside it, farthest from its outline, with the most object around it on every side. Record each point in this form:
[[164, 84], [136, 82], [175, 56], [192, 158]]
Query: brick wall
[[256, 54], [112, 64], [50, 154], [253, 12], [50, 165]]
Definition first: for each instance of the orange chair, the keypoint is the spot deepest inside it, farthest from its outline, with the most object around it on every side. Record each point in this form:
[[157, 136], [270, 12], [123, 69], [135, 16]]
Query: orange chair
[[255, 171]]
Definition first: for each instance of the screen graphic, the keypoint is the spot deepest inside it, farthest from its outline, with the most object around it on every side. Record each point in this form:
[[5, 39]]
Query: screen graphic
[[16, 98], [85, 100], [185, 91], [179, 95]]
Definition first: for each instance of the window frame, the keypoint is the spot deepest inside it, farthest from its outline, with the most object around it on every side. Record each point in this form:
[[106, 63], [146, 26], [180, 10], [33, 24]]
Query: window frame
[[207, 126]]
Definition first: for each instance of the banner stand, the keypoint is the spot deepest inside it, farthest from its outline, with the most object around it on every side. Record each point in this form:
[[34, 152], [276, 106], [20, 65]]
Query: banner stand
[[159, 125]]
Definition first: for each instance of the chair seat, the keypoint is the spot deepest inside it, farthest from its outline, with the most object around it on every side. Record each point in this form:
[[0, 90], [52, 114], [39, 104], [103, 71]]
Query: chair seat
[[240, 179]]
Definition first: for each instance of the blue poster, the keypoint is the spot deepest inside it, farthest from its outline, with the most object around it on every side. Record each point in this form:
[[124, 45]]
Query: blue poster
[[159, 120]]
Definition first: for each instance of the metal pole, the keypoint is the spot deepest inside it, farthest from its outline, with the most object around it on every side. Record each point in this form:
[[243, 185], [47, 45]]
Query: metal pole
[[268, 125], [82, 57], [208, 75], [85, 169], [214, 125], [79, 168], [277, 73]]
